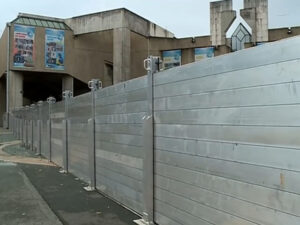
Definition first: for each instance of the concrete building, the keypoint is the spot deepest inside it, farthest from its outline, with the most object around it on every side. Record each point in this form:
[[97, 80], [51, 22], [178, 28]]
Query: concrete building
[[42, 56]]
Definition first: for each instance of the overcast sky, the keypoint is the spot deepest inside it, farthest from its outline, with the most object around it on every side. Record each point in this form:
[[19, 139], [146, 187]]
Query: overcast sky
[[185, 18]]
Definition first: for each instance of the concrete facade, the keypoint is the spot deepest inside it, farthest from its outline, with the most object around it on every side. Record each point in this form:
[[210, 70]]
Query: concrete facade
[[255, 13], [221, 18]]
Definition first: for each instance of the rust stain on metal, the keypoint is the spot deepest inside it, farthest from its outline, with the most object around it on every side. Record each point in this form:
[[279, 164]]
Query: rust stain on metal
[[282, 180]]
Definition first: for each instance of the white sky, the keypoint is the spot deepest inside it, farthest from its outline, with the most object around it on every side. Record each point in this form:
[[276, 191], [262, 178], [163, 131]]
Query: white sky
[[184, 18]]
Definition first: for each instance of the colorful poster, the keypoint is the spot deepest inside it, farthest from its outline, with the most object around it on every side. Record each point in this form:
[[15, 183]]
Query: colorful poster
[[203, 53], [171, 59], [23, 50], [55, 49]]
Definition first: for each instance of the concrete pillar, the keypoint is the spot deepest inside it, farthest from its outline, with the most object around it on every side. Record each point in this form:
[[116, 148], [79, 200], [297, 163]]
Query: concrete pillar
[[256, 15], [68, 83], [2, 100], [16, 90], [121, 55], [221, 18]]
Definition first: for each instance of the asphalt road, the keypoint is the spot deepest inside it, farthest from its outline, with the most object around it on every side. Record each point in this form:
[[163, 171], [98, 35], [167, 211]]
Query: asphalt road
[[35, 194]]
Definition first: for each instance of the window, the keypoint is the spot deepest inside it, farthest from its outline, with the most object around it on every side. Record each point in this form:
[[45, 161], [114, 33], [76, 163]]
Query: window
[[239, 38]]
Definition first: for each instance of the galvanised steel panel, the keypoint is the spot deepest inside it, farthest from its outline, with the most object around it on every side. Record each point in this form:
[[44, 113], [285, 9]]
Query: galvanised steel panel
[[252, 77], [245, 116], [198, 210], [133, 96], [276, 94], [270, 198], [119, 141], [125, 139], [129, 150], [57, 116], [262, 135], [268, 177], [120, 178], [123, 159], [131, 129], [133, 118], [271, 53], [35, 134], [121, 193], [226, 130], [124, 108], [128, 86], [120, 168], [269, 156], [78, 148], [191, 201], [175, 214]]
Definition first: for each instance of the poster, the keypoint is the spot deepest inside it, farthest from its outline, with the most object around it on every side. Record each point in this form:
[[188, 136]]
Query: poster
[[171, 59], [55, 49], [23, 50], [203, 53]]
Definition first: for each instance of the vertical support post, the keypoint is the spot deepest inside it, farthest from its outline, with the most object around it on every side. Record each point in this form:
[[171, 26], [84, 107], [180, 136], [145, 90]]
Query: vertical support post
[[32, 106], [39, 129], [94, 85], [17, 126], [66, 95], [152, 66], [26, 127], [50, 100], [22, 127]]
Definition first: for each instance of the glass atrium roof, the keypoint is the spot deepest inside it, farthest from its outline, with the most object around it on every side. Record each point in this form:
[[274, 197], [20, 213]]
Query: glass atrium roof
[[41, 23]]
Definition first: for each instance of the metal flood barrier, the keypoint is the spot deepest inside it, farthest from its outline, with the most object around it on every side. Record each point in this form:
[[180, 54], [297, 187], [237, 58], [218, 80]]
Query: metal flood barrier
[[209, 143]]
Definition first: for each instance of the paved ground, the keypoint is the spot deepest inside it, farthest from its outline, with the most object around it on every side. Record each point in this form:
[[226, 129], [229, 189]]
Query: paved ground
[[33, 193], [20, 203]]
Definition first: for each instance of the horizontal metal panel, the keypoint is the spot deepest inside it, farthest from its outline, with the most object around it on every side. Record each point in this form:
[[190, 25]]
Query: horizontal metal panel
[[275, 136], [258, 195], [79, 140], [80, 111], [78, 172], [263, 176], [56, 157], [80, 98], [125, 139], [120, 193], [133, 96], [56, 125], [161, 219], [82, 134], [120, 158], [283, 158], [131, 129], [191, 201], [134, 173], [119, 178], [78, 162], [200, 210], [253, 77], [240, 60], [58, 115], [130, 85], [125, 108], [57, 142], [178, 215], [129, 150], [121, 118], [246, 116], [78, 126], [75, 149], [56, 134], [279, 94]]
